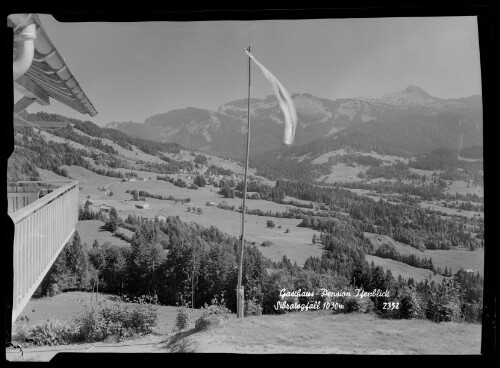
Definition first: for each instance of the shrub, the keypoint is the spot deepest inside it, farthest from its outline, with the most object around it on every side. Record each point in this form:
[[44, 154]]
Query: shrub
[[252, 308], [102, 321], [53, 332], [270, 223], [267, 243], [184, 317], [355, 304], [208, 322], [409, 303], [213, 315], [471, 312]]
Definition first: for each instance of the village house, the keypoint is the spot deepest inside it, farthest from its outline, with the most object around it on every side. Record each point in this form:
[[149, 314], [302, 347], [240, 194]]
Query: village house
[[143, 205]]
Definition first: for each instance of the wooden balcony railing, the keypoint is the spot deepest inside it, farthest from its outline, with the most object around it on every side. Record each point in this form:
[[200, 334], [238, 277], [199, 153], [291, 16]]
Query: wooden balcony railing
[[42, 228]]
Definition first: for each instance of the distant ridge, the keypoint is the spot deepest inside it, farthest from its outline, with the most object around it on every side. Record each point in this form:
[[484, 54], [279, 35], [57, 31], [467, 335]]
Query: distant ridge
[[223, 131]]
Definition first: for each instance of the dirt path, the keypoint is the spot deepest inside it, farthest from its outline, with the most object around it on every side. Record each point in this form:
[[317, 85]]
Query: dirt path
[[147, 344]]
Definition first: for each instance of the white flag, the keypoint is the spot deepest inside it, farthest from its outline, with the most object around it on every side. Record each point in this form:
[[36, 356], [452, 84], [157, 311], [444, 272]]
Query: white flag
[[284, 99]]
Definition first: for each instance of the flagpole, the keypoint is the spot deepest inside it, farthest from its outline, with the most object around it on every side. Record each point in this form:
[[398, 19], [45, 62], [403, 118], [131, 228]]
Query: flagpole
[[240, 291]]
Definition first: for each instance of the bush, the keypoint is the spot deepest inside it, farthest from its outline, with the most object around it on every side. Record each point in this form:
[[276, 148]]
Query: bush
[[184, 317], [267, 243], [409, 303], [471, 312], [213, 315], [354, 304], [183, 320], [208, 322], [270, 223], [102, 321], [252, 308], [53, 332]]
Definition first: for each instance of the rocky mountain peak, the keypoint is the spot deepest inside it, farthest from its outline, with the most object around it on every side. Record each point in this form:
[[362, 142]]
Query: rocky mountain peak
[[415, 90]]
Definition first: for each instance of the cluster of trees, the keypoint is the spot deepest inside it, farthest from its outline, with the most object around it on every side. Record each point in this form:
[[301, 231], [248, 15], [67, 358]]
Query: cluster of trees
[[198, 210], [389, 251], [397, 170], [472, 152], [171, 167], [407, 223], [172, 258], [68, 133], [51, 156], [216, 170], [349, 159], [430, 191], [447, 160], [200, 180], [124, 140], [289, 168], [120, 138], [464, 206], [86, 213], [136, 194], [201, 160], [227, 192]]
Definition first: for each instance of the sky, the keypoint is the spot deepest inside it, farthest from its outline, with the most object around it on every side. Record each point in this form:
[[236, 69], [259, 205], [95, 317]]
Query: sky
[[131, 71]]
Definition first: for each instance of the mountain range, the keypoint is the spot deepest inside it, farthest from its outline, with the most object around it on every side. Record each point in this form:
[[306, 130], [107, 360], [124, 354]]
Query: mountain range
[[410, 120]]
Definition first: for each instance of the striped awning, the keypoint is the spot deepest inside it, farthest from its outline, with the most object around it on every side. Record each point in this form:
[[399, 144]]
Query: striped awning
[[50, 72]]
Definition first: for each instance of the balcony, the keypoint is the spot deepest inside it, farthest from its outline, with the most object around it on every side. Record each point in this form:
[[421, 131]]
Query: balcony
[[42, 228]]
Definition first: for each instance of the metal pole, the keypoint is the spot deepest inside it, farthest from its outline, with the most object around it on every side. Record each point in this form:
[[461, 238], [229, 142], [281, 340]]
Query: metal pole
[[240, 291]]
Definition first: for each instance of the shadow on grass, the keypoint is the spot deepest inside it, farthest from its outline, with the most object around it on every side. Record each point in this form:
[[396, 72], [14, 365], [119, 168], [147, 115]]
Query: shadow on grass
[[103, 229], [179, 343]]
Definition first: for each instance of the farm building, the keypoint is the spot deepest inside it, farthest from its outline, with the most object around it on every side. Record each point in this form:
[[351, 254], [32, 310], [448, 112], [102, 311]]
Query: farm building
[[144, 205], [141, 179], [132, 179], [161, 218], [104, 208]]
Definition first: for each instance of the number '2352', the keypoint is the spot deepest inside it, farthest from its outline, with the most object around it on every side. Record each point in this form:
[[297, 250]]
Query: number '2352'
[[391, 305]]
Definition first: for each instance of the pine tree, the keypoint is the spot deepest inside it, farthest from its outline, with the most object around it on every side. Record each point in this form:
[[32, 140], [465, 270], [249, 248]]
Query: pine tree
[[314, 239], [77, 262]]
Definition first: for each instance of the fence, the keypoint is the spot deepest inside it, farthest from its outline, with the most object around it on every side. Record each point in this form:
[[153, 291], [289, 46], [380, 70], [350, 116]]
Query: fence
[[42, 228]]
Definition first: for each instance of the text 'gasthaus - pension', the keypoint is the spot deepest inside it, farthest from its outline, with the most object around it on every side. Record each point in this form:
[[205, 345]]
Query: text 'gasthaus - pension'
[[361, 293]]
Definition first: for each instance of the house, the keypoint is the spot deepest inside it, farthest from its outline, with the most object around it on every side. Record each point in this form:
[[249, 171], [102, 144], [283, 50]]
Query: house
[[141, 179], [143, 205], [161, 218], [132, 179], [104, 208]]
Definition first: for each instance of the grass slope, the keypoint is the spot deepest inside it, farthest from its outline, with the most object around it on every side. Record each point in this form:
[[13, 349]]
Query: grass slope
[[321, 332]]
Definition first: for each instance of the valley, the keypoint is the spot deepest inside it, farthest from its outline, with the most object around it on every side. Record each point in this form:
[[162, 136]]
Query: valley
[[349, 210]]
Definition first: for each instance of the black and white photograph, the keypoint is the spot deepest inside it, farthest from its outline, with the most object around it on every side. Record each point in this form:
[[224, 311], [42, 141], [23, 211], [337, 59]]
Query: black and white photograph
[[253, 184]]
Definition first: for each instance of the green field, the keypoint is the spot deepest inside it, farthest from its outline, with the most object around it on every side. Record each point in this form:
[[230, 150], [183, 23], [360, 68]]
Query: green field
[[91, 230], [296, 244], [321, 332]]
